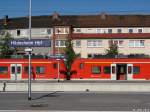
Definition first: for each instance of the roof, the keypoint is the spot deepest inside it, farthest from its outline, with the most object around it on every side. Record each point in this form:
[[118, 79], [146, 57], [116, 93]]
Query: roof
[[80, 21]]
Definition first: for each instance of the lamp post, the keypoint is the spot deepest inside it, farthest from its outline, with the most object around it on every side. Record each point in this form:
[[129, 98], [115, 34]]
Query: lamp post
[[58, 57], [29, 50]]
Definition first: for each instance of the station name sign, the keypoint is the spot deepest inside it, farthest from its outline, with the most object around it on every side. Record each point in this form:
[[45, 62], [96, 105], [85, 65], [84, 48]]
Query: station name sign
[[30, 43]]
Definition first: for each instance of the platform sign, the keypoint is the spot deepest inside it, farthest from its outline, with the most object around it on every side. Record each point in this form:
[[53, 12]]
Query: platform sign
[[30, 43]]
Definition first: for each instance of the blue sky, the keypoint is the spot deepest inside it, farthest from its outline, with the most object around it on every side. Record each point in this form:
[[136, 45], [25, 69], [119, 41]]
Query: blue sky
[[15, 8]]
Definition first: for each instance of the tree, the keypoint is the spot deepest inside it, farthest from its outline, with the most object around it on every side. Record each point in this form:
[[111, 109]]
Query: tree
[[112, 51], [5, 50], [70, 56]]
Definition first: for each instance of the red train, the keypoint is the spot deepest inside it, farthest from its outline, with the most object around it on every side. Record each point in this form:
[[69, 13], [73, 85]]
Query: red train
[[111, 69], [104, 69], [17, 69]]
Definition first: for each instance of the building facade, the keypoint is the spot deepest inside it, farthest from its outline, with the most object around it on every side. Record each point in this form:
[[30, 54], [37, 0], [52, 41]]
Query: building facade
[[90, 34]]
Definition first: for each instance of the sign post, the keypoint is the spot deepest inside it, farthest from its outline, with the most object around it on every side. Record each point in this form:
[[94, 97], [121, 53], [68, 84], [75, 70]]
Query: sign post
[[29, 76]]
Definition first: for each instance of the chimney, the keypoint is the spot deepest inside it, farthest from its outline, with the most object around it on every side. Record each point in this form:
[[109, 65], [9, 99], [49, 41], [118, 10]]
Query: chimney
[[103, 15], [56, 16]]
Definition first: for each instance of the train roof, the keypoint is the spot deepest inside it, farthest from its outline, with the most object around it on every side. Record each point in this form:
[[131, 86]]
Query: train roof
[[50, 59], [113, 59]]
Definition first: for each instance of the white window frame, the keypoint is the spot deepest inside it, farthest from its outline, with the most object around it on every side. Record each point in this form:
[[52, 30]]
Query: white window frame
[[132, 30], [64, 30], [49, 30], [24, 32], [76, 43], [59, 43], [118, 44], [94, 41], [139, 29], [98, 30], [111, 30], [119, 29], [77, 30], [43, 31], [136, 45]]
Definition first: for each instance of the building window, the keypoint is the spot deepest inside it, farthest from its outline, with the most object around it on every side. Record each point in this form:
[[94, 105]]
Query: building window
[[48, 31], [140, 30], [78, 43], [40, 70], [78, 55], [119, 30], [136, 70], [119, 43], [96, 70], [89, 29], [109, 30], [18, 32], [89, 55], [60, 43], [94, 43], [3, 70], [107, 69], [130, 30], [78, 30], [136, 43], [24, 32], [66, 30], [43, 31], [61, 30], [98, 30]]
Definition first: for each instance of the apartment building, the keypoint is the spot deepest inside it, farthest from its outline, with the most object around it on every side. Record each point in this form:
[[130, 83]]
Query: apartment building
[[90, 34]]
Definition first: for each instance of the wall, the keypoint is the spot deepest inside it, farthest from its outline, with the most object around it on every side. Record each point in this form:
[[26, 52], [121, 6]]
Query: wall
[[114, 30], [125, 49]]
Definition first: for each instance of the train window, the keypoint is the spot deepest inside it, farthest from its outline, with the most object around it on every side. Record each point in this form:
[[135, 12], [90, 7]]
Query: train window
[[3, 70], [81, 65], [129, 69], [26, 69], [40, 70], [18, 69], [122, 70], [113, 69], [13, 69], [107, 69], [136, 70], [96, 69], [55, 65]]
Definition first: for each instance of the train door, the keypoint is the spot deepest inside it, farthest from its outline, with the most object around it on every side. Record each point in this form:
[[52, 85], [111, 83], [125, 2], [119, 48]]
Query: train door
[[129, 71], [113, 72], [121, 71], [16, 71]]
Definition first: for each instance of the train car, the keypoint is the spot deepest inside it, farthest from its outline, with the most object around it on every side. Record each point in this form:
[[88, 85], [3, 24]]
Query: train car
[[17, 69], [111, 69]]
